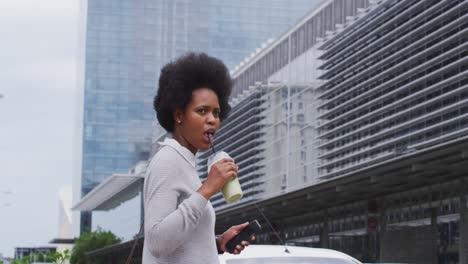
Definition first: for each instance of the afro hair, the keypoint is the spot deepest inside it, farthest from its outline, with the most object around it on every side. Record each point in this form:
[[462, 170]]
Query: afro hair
[[180, 78]]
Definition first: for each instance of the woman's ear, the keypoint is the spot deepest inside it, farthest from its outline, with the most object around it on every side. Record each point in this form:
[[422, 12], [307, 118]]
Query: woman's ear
[[178, 116]]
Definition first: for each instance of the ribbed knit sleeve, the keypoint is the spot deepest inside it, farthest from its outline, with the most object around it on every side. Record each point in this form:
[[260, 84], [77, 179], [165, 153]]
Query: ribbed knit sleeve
[[167, 223]]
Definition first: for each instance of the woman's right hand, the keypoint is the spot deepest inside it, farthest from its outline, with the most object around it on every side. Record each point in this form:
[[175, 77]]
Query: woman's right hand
[[220, 173]]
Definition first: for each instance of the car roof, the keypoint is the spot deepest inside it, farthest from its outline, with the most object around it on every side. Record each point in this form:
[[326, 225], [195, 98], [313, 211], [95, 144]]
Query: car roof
[[255, 251]]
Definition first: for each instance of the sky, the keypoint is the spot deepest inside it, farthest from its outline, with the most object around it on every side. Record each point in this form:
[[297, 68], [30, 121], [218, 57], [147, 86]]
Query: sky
[[38, 50]]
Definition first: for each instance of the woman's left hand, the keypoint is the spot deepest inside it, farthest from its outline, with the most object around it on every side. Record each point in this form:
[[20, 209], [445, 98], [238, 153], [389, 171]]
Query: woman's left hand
[[229, 234]]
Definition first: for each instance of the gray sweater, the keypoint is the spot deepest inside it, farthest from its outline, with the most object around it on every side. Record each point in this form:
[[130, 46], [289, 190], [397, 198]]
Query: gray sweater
[[179, 222]]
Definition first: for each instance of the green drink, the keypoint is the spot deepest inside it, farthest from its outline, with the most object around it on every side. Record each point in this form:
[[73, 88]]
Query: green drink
[[232, 190]]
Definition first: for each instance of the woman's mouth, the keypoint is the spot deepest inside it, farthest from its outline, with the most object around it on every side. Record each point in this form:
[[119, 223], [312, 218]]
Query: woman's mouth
[[208, 136]]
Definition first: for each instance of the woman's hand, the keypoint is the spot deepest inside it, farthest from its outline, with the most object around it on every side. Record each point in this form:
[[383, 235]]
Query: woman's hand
[[229, 234], [220, 173]]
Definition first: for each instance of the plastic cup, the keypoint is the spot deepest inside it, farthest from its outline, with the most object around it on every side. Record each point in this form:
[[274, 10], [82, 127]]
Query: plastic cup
[[232, 190]]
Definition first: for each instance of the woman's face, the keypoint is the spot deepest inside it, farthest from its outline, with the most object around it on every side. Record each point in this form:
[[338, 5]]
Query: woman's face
[[199, 120]]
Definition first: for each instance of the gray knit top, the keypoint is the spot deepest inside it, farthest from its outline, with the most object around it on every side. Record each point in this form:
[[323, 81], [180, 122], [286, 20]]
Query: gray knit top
[[179, 222]]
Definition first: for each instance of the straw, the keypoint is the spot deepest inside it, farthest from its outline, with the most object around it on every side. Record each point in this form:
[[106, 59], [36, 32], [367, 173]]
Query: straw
[[211, 143]]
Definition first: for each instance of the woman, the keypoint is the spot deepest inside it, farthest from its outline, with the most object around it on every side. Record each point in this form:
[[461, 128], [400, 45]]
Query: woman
[[179, 219]]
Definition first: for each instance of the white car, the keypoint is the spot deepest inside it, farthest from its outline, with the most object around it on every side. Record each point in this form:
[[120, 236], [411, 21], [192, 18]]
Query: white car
[[276, 254]]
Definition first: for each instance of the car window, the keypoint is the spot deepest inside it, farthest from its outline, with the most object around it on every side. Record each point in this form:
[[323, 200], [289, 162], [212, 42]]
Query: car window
[[291, 260]]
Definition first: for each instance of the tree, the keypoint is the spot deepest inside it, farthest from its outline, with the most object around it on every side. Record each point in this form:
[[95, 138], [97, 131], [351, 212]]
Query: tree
[[89, 241], [60, 258], [20, 261]]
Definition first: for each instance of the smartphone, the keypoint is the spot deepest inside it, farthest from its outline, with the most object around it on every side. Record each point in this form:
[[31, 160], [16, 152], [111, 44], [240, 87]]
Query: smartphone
[[244, 235]]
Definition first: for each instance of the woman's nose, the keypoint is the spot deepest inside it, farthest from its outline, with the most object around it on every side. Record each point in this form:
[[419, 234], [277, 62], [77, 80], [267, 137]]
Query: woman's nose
[[211, 118]]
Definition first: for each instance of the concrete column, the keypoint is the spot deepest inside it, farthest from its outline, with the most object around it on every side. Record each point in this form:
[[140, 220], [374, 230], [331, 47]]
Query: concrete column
[[435, 232], [373, 208], [382, 228], [463, 246], [324, 240], [434, 216], [142, 207]]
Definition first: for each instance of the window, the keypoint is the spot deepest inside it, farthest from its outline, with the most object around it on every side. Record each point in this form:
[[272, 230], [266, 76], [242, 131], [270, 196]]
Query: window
[[88, 131], [300, 118]]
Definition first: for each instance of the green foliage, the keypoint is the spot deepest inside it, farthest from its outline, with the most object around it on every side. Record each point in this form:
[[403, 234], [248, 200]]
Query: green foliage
[[56, 258], [61, 257], [36, 257], [89, 241]]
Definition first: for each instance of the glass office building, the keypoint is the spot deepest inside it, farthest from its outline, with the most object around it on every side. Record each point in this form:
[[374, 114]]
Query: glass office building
[[118, 87], [126, 44]]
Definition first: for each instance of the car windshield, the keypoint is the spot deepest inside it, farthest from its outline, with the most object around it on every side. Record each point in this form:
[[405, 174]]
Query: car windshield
[[291, 260]]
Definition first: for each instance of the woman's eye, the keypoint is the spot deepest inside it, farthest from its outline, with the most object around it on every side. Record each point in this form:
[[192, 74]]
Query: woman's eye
[[203, 111]]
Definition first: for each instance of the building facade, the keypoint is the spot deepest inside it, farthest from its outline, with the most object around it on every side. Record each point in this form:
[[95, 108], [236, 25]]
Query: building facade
[[393, 85], [272, 132], [263, 126], [364, 112], [389, 107]]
